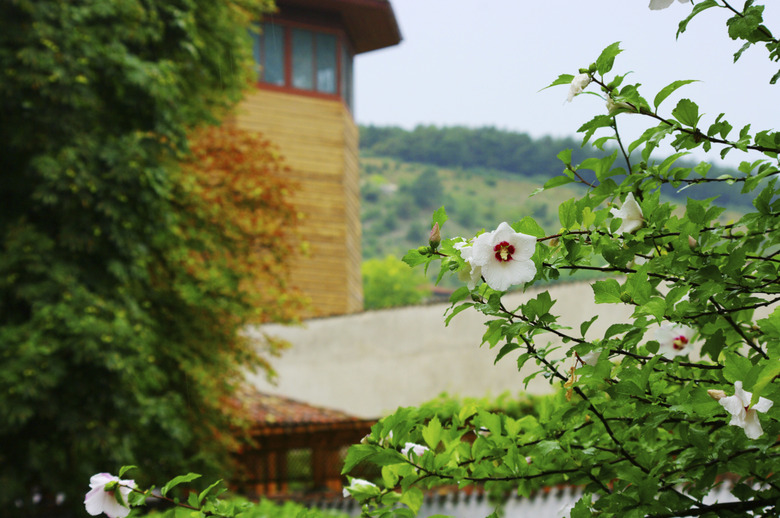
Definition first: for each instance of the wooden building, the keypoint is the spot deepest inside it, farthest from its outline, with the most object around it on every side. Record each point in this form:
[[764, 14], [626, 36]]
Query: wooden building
[[304, 103], [298, 449]]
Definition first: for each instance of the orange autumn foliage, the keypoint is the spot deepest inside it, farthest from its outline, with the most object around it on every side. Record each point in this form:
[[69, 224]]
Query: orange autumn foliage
[[239, 180]]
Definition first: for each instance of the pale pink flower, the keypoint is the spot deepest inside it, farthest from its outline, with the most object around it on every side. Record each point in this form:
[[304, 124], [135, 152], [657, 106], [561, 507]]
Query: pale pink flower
[[578, 84], [657, 5], [357, 484], [504, 257], [410, 447], [630, 214], [674, 339], [114, 504], [742, 413]]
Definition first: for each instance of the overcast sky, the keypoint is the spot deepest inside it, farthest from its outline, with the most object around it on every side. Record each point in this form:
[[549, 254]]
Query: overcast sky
[[483, 62]]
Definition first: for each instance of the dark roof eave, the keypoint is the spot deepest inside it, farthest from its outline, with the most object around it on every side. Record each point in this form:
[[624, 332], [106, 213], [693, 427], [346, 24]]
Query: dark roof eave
[[370, 24]]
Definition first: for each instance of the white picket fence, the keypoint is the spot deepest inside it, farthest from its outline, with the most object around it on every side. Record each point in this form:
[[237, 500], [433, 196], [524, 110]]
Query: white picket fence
[[552, 504]]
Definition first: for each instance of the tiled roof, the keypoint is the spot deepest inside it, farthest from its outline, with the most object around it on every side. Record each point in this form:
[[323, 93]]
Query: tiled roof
[[267, 410]]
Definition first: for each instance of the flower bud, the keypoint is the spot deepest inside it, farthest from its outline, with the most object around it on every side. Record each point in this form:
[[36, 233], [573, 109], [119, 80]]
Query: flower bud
[[717, 395], [692, 242], [434, 239], [614, 108]]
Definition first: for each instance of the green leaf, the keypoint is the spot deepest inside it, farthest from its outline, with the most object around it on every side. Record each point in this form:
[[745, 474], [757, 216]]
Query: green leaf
[[586, 325], [697, 8], [206, 491], [439, 216], [769, 372], [413, 258], [607, 58], [563, 79], [606, 291], [432, 433], [528, 225], [736, 368], [125, 469], [413, 498], [687, 113], [567, 213], [181, 479], [617, 329], [565, 156], [655, 307], [356, 454], [555, 181], [668, 89]]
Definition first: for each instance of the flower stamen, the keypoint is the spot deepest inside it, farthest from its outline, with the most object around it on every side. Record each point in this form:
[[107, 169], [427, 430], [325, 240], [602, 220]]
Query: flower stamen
[[679, 343], [504, 251]]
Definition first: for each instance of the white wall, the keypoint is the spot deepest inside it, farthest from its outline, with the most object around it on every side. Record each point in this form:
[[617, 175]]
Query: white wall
[[370, 363]]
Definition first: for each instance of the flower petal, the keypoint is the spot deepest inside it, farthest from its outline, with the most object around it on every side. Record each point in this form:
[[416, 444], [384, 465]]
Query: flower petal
[[657, 5], [525, 246], [733, 405], [743, 395], [500, 276], [763, 405], [95, 499], [752, 426]]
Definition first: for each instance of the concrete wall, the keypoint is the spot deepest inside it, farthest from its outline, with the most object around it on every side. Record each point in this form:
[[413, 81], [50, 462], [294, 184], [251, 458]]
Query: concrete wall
[[370, 363]]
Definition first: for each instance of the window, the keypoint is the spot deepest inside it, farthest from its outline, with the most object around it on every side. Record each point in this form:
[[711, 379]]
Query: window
[[269, 51], [304, 59]]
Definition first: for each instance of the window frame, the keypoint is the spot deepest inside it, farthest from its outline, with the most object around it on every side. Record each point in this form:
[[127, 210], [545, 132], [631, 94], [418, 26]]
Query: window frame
[[343, 48]]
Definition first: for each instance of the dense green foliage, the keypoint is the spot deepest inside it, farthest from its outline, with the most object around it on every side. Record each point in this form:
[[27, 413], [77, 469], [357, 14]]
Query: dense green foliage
[[113, 349], [389, 283], [653, 412], [263, 509]]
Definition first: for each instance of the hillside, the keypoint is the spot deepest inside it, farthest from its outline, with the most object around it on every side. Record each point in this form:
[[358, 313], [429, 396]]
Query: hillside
[[482, 177]]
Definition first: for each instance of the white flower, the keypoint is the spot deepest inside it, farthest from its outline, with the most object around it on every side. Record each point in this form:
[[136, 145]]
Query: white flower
[[590, 358], [418, 449], [630, 213], [579, 83], [98, 500], [674, 338], [657, 5], [504, 257], [742, 414], [356, 483], [472, 276]]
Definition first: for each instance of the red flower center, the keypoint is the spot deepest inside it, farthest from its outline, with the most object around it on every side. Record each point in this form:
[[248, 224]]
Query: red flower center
[[679, 343], [504, 251]]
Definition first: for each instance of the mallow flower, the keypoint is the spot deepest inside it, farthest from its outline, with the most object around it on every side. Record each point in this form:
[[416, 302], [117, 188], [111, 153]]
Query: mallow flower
[[504, 257], [674, 339], [577, 85], [630, 214], [657, 5], [356, 484], [742, 413], [474, 273], [111, 502], [418, 449]]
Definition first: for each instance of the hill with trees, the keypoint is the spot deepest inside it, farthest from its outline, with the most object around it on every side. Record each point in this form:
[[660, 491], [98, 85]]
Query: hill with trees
[[481, 175]]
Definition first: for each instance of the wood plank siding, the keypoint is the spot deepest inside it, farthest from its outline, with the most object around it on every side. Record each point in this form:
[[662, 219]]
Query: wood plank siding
[[319, 141]]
